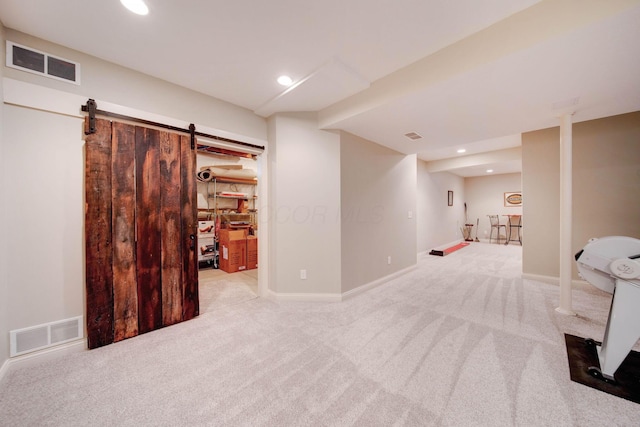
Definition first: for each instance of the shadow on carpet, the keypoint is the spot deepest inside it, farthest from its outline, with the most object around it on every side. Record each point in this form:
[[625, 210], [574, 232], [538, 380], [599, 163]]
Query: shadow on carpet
[[582, 354]]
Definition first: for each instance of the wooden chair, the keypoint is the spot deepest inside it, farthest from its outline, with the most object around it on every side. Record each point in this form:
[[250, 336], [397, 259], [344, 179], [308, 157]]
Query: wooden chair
[[495, 225]]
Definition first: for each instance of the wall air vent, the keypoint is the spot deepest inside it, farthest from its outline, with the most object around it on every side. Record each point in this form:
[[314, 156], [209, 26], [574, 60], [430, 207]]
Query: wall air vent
[[46, 335], [36, 62], [413, 136]]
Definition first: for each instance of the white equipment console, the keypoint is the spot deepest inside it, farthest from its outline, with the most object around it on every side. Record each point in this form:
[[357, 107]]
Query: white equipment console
[[612, 264]]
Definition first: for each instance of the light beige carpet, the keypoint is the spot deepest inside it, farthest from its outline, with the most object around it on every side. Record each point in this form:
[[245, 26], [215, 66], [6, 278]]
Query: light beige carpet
[[460, 341]]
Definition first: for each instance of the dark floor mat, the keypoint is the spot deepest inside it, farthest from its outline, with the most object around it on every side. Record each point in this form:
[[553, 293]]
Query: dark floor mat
[[582, 354]]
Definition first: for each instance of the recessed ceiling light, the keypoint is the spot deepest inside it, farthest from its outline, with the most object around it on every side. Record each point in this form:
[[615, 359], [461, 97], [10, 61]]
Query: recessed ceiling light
[[285, 80], [489, 170], [462, 150], [136, 6]]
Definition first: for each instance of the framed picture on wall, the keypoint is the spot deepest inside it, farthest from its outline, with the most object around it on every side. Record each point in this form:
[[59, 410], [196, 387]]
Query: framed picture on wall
[[513, 199], [449, 198]]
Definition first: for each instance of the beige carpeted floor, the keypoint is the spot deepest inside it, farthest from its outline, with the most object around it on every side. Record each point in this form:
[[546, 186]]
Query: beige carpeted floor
[[460, 341]]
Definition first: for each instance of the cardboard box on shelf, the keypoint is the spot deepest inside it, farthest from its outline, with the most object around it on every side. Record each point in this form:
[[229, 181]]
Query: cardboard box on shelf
[[243, 206], [252, 252], [233, 250]]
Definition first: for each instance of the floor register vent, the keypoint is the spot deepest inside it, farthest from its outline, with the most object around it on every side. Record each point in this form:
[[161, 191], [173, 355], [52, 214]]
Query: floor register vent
[[46, 335], [34, 61]]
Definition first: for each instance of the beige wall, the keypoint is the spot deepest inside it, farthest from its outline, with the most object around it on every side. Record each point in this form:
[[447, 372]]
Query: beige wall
[[378, 190], [339, 207], [44, 224], [606, 176], [541, 198], [106, 81], [4, 244], [485, 196], [606, 187], [324, 185], [42, 172], [304, 205], [437, 223]]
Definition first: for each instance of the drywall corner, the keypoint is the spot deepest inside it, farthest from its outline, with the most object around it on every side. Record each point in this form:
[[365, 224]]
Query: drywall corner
[[605, 167], [378, 190], [304, 209], [540, 207], [437, 222], [4, 285]]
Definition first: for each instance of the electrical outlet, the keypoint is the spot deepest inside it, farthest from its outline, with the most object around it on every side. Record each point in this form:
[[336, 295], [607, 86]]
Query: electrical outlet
[[410, 215], [303, 274], [389, 260]]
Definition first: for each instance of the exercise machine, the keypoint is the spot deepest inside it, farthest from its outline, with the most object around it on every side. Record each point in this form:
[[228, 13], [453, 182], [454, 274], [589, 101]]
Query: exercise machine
[[612, 264]]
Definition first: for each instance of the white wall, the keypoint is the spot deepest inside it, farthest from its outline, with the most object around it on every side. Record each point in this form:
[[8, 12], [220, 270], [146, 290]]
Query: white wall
[[304, 205], [437, 223], [378, 191], [485, 196], [42, 173]]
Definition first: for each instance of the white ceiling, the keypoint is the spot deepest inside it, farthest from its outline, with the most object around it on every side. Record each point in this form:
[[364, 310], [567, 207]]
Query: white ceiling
[[463, 73]]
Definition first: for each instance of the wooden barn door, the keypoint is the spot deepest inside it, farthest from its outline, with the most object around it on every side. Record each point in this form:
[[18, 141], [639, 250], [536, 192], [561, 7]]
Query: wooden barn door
[[140, 227]]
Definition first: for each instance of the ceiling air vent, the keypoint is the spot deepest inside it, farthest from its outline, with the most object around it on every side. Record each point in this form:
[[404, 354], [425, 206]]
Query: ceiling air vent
[[413, 136], [36, 62]]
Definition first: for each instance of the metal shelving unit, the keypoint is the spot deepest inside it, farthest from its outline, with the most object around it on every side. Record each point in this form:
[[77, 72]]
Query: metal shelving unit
[[227, 215]]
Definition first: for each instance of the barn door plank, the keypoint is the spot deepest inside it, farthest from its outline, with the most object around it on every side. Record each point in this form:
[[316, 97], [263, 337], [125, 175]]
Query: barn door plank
[[190, 298], [141, 223], [125, 292], [170, 197], [148, 245], [98, 239]]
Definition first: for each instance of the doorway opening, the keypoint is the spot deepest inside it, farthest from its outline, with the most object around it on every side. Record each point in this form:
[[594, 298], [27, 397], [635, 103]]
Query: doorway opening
[[227, 193], [225, 218]]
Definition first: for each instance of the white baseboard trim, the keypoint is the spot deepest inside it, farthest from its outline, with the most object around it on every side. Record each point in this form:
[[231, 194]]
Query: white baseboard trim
[[278, 296], [552, 280], [544, 279], [38, 357], [367, 286], [338, 297]]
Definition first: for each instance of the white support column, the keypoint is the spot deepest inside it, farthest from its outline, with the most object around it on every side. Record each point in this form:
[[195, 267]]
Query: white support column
[[566, 253]]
